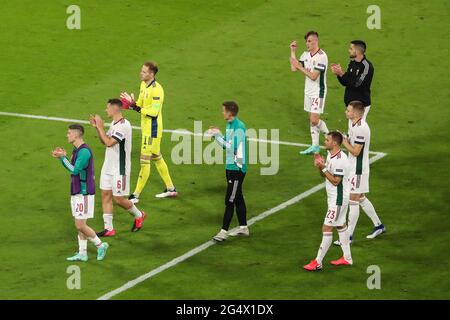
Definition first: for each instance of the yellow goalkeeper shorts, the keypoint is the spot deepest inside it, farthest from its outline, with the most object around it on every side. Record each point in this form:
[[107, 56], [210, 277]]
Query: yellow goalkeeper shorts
[[150, 145]]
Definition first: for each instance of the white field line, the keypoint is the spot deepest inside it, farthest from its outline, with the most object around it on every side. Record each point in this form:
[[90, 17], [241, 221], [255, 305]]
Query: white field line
[[206, 245], [179, 131]]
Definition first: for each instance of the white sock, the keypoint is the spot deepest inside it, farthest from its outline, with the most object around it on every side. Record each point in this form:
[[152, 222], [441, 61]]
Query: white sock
[[82, 246], [322, 127], [327, 239], [108, 221], [344, 239], [353, 216], [369, 209], [315, 135], [135, 211], [96, 241]]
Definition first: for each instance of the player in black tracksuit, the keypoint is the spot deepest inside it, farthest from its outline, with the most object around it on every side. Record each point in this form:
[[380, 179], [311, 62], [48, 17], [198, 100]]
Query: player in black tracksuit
[[358, 77]]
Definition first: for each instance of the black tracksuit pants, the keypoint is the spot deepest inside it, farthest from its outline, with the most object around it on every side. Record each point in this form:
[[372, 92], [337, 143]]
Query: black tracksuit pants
[[234, 198]]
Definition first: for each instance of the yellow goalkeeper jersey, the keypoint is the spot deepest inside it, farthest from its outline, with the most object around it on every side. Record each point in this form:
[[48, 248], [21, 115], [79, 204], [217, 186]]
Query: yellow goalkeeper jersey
[[151, 98]]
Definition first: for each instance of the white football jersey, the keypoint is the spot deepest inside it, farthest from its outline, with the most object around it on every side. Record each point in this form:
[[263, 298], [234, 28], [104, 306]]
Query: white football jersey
[[118, 157], [359, 133], [319, 62], [338, 165]]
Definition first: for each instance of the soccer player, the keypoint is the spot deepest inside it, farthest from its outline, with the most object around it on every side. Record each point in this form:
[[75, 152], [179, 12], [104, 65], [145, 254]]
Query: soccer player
[[358, 144], [234, 142], [358, 77], [149, 104], [313, 64], [115, 175], [336, 173], [82, 190]]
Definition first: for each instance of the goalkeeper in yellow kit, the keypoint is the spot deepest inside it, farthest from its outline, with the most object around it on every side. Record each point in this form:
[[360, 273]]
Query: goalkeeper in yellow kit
[[149, 105]]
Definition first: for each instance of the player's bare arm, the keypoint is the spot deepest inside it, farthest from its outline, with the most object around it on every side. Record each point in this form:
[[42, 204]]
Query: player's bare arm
[[354, 150], [320, 164], [97, 122], [313, 75]]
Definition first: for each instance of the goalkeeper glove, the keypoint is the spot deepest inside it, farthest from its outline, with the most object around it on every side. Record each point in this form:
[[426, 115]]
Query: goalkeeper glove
[[130, 105]]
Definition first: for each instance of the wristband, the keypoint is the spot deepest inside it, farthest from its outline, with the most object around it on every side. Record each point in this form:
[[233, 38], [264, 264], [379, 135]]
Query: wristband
[[324, 170]]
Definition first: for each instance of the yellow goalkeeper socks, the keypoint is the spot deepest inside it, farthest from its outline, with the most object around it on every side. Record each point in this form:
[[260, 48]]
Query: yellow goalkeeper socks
[[163, 170], [143, 176]]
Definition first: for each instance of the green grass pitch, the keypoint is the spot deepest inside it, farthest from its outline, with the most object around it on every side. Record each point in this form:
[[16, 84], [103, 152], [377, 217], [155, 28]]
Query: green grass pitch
[[210, 51]]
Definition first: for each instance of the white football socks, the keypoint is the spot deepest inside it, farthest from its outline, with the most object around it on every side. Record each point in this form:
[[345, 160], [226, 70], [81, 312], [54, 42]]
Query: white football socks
[[327, 239], [369, 209], [344, 239], [315, 135], [108, 221], [353, 216], [82, 246], [322, 127], [135, 211], [96, 241], [316, 130]]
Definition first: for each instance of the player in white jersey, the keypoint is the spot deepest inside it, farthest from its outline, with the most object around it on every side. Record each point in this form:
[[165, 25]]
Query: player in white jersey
[[336, 171], [358, 143], [313, 64], [115, 175]]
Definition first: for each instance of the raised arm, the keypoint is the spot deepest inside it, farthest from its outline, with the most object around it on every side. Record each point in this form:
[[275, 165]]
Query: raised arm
[[97, 122]]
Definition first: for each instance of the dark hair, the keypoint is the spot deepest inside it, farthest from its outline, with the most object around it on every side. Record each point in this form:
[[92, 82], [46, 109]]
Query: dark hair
[[336, 137], [151, 66], [311, 33], [232, 107], [361, 45], [78, 127], [357, 105], [115, 102]]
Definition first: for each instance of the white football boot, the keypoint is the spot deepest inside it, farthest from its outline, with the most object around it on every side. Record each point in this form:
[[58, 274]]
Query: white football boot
[[167, 193], [241, 231], [221, 236]]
